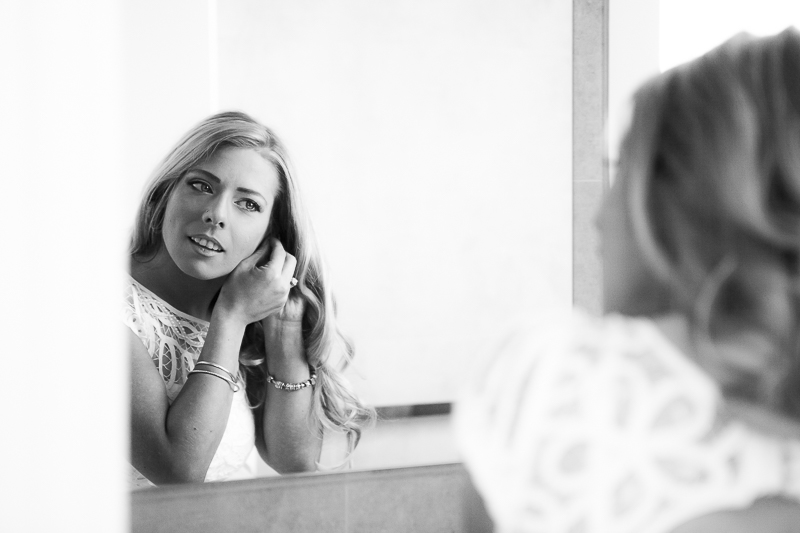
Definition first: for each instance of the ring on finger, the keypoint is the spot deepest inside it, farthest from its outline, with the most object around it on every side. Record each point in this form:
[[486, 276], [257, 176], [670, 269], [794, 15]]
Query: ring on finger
[[293, 282]]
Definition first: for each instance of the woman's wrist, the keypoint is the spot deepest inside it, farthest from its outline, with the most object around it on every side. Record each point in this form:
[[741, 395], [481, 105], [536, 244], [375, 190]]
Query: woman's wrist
[[286, 358], [279, 328], [226, 313], [227, 326]]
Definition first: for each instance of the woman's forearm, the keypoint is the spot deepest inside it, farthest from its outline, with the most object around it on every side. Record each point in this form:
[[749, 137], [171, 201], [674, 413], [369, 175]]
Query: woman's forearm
[[291, 442], [197, 418]]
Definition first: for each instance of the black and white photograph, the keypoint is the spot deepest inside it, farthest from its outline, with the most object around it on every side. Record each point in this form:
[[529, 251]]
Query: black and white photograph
[[512, 266]]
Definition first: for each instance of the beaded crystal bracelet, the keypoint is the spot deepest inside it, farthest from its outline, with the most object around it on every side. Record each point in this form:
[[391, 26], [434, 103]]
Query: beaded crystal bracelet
[[291, 387]]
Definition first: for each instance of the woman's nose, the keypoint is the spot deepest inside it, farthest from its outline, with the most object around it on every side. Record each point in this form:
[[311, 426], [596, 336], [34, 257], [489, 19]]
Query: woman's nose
[[215, 215]]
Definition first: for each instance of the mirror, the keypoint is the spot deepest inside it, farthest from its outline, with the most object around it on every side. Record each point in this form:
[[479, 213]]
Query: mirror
[[433, 143]]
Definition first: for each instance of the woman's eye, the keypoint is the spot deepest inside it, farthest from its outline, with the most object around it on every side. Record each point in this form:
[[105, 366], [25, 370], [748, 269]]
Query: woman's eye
[[249, 205], [200, 186]]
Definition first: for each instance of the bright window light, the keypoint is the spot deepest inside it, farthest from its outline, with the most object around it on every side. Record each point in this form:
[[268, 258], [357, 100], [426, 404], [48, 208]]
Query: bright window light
[[689, 28]]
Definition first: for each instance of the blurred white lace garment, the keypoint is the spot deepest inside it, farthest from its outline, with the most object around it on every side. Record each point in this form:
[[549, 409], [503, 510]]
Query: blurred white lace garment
[[603, 426], [174, 341]]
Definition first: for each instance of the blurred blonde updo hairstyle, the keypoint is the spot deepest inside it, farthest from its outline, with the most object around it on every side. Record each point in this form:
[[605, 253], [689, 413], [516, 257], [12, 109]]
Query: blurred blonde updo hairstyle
[[710, 175], [335, 406]]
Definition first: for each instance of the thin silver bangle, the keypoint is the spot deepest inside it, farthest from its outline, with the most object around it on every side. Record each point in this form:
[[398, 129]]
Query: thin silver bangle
[[234, 378], [234, 386]]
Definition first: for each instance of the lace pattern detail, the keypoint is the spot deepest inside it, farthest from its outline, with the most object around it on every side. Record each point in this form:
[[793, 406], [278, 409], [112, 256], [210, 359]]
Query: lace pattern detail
[[174, 341], [603, 426]]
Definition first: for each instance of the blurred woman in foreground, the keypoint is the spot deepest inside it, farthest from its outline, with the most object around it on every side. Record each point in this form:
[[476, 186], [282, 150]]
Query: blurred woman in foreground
[[679, 410]]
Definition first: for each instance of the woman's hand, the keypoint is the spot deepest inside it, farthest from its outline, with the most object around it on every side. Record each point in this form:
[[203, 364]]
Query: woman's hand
[[252, 292], [292, 312]]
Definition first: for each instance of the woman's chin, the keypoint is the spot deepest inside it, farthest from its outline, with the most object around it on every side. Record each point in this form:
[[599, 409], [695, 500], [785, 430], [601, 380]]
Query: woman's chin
[[205, 272]]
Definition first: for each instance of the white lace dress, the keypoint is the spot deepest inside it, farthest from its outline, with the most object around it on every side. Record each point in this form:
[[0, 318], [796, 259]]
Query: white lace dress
[[174, 341], [603, 426]]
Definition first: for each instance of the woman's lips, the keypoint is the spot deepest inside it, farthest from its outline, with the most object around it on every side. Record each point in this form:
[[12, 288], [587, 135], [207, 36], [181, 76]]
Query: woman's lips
[[206, 245]]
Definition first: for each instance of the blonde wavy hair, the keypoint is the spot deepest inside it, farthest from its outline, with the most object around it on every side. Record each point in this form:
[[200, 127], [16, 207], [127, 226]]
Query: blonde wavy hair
[[328, 350], [710, 175]]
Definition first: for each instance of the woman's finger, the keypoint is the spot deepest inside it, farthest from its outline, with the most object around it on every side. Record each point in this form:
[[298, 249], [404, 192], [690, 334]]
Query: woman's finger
[[277, 257], [289, 266], [257, 255]]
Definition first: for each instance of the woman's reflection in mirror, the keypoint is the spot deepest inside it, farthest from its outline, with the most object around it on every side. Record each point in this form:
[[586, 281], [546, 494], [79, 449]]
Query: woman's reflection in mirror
[[234, 342], [679, 410]]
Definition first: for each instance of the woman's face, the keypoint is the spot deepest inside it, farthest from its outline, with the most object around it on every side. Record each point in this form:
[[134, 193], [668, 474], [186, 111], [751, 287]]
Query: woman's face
[[615, 239], [628, 286], [219, 212]]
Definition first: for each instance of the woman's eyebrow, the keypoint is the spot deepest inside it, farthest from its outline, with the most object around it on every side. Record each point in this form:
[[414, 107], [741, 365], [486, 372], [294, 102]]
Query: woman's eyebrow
[[206, 174], [250, 191]]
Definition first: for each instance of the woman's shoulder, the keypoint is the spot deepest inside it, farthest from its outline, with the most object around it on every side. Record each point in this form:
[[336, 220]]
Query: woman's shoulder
[[141, 301], [157, 323], [607, 348], [596, 359], [587, 416], [132, 311]]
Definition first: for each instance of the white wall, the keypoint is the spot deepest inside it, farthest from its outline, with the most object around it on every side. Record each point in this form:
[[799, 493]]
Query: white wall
[[433, 140], [167, 83], [61, 400]]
